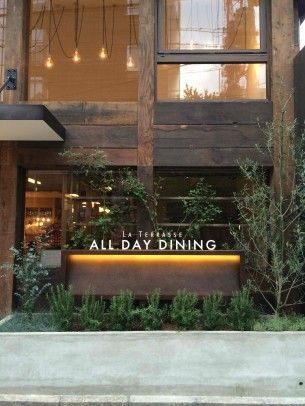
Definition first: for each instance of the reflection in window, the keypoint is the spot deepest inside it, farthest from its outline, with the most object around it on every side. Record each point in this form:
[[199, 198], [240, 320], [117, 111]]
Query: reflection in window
[[43, 207], [84, 50], [2, 40], [175, 187], [191, 82], [66, 209], [211, 24]]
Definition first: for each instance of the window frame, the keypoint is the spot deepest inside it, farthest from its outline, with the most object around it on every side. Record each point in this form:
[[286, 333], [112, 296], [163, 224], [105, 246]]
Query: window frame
[[180, 55], [217, 56]]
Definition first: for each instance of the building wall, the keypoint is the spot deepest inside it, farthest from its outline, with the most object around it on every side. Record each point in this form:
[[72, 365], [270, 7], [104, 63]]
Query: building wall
[[144, 134]]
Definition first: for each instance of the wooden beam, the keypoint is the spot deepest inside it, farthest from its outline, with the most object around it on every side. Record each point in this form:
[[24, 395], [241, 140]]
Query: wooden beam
[[16, 47], [284, 49], [213, 112], [8, 191], [16, 56], [146, 101]]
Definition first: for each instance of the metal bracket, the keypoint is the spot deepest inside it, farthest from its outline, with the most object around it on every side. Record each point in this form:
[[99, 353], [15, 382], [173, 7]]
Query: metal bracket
[[11, 76]]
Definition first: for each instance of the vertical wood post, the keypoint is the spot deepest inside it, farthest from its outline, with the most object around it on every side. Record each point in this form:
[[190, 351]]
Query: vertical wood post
[[17, 23], [284, 50], [146, 101]]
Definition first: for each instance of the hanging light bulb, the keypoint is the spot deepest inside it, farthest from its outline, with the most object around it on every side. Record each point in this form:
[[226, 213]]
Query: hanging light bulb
[[130, 62], [103, 53], [76, 56], [49, 62]]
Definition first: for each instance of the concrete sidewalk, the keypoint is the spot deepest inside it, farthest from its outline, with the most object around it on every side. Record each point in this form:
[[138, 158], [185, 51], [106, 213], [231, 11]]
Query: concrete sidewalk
[[138, 400]]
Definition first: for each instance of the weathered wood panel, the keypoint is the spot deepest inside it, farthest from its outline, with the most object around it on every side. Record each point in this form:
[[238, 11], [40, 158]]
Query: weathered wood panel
[[208, 136], [284, 49], [146, 103], [16, 46], [8, 192], [17, 23], [299, 85], [213, 112], [207, 157], [43, 158], [93, 113], [93, 136]]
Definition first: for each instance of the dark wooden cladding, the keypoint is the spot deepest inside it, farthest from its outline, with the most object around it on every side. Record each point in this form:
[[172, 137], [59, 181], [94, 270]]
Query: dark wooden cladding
[[299, 85], [207, 157], [94, 113], [98, 136], [208, 136], [213, 112], [49, 158], [107, 273]]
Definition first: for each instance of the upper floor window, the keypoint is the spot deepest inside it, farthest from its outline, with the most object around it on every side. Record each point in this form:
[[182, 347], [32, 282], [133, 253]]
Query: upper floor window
[[211, 49], [83, 50]]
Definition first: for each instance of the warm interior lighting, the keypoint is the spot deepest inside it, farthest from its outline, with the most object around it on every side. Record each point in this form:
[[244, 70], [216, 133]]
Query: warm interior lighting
[[173, 258], [76, 56], [72, 195], [130, 62], [49, 62], [31, 180], [103, 53]]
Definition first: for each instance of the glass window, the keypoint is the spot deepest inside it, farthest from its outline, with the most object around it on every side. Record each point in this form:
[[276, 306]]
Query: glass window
[[175, 187], [43, 207], [211, 24], [68, 211], [2, 40], [191, 82], [83, 50]]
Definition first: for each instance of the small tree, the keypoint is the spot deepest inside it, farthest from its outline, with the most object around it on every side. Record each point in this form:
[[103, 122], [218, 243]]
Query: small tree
[[30, 274], [272, 232]]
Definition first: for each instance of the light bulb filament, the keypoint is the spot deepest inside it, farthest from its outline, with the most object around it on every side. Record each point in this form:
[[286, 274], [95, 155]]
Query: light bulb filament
[[76, 56]]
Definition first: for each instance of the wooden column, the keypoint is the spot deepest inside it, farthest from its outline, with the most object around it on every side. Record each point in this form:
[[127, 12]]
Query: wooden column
[[146, 101], [15, 57], [284, 49]]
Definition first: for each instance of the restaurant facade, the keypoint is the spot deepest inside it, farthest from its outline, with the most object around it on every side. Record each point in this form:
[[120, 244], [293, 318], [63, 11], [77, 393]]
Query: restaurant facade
[[173, 90]]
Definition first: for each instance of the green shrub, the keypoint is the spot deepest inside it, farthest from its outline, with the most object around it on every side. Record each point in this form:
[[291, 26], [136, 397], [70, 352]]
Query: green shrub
[[213, 313], [152, 316], [282, 323], [241, 312], [61, 302], [121, 311], [183, 310], [92, 313], [30, 274]]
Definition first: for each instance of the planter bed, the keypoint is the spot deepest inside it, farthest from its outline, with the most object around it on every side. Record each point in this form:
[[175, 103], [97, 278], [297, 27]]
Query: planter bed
[[145, 363]]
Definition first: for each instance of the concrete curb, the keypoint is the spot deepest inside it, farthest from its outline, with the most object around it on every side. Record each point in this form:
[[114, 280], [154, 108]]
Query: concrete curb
[[138, 400]]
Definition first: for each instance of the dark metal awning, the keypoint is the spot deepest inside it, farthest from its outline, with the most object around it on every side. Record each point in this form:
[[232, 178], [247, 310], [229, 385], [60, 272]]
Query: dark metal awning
[[29, 122]]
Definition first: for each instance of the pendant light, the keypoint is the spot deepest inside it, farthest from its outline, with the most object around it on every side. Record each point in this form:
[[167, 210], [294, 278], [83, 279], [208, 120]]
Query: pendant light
[[130, 61], [77, 31], [49, 61], [104, 51]]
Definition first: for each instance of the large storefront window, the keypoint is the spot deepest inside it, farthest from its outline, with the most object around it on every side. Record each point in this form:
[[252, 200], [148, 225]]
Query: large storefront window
[[43, 207], [83, 50], [2, 40], [68, 212], [210, 49], [175, 188]]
